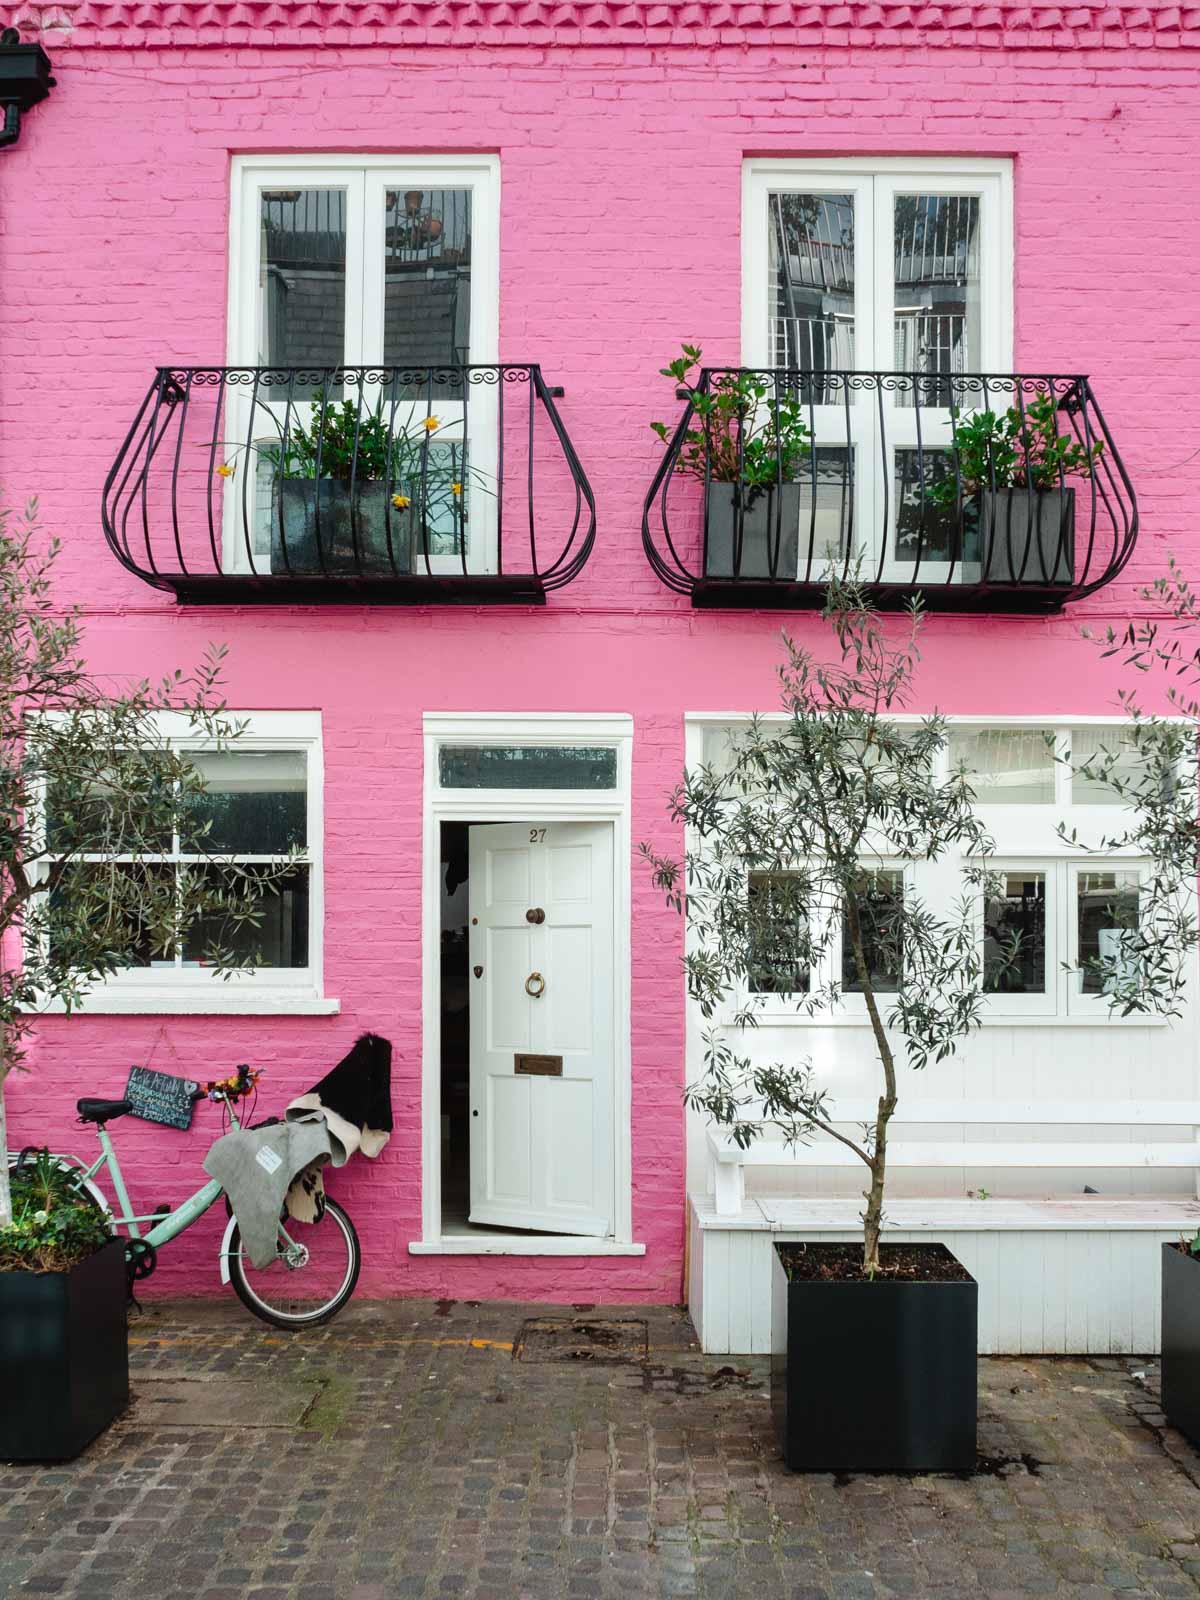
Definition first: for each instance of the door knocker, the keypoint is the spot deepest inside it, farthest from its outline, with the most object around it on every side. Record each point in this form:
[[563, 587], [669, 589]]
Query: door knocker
[[530, 981]]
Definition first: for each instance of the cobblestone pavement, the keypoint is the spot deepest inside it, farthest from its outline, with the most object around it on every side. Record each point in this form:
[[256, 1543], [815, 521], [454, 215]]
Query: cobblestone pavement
[[405, 1451]]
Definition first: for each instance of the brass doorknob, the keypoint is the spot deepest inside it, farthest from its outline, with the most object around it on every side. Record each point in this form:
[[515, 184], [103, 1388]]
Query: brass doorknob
[[535, 978]]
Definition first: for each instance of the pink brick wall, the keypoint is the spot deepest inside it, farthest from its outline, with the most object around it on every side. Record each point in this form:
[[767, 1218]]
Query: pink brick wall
[[621, 178]]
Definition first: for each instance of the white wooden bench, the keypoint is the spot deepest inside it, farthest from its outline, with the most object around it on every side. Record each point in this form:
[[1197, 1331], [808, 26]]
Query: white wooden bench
[[728, 1162], [1057, 1275]]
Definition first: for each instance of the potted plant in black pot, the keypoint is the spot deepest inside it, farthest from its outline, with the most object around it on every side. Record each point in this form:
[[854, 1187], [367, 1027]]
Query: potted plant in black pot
[[794, 887], [1016, 508], [63, 1348], [747, 449], [1181, 1335], [353, 494]]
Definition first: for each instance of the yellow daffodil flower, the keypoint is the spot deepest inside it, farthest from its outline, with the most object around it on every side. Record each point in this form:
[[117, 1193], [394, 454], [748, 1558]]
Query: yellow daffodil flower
[[431, 423], [456, 488], [225, 470], [401, 502]]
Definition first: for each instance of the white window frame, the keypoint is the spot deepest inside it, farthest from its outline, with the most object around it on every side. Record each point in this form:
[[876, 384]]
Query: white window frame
[[518, 805], [875, 182], [1024, 837], [267, 991], [366, 177], [1079, 1004]]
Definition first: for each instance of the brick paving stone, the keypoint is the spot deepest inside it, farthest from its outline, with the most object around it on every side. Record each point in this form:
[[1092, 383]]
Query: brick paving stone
[[433, 1466]]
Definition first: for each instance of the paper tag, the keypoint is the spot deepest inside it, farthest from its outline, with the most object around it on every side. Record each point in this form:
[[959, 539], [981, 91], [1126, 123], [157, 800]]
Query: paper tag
[[268, 1160]]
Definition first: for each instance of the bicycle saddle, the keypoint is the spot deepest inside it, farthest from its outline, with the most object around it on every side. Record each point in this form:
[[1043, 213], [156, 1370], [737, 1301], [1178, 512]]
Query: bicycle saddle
[[101, 1110]]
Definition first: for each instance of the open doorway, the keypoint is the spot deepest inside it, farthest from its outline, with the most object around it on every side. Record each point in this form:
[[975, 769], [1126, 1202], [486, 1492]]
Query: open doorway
[[526, 1025]]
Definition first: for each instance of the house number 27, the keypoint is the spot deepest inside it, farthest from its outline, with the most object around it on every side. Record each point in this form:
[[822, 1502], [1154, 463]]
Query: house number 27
[[537, 835]]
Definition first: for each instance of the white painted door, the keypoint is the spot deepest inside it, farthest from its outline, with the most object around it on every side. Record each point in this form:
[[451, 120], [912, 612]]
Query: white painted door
[[542, 988]]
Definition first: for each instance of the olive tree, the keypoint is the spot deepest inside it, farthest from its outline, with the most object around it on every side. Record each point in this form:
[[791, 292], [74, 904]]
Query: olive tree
[[798, 842], [93, 793], [1148, 766]]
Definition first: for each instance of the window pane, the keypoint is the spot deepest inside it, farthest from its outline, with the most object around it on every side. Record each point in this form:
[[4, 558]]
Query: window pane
[[1102, 743], [776, 913], [255, 803], [280, 939], [879, 898], [114, 895], [1107, 909], [1014, 936], [527, 767], [926, 525], [130, 815], [936, 287], [302, 279], [811, 285], [427, 278], [1006, 766], [826, 479]]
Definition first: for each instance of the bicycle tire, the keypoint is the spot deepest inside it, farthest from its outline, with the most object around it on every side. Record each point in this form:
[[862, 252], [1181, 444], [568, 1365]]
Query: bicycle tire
[[320, 1313]]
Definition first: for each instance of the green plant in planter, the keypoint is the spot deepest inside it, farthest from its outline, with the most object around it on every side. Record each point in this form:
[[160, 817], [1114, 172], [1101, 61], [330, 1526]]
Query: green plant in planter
[[55, 1225], [750, 432], [1013, 449]]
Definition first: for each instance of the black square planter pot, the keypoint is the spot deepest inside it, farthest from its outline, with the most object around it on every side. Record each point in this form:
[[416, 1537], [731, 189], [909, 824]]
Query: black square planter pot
[[1181, 1340], [744, 528], [874, 1377], [64, 1355]]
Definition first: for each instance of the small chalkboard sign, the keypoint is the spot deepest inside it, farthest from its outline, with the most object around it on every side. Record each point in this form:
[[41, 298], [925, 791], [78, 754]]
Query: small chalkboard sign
[[160, 1097]]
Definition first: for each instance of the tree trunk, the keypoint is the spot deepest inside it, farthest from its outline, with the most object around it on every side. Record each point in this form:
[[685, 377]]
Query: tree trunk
[[873, 1215]]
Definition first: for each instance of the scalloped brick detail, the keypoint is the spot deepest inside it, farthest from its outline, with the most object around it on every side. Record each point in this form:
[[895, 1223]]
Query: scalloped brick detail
[[1015, 23]]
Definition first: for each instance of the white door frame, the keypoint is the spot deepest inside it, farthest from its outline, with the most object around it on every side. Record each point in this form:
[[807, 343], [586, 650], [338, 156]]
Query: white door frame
[[519, 805]]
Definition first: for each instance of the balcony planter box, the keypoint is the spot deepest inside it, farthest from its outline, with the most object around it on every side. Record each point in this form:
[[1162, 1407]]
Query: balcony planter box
[[64, 1356], [1013, 536], [353, 525], [1181, 1339], [757, 511], [874, 1377]]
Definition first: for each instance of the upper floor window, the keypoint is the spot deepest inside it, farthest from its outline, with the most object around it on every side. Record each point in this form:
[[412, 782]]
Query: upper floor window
[[888, 266], [879, 268], [389, 266], [364, 261]]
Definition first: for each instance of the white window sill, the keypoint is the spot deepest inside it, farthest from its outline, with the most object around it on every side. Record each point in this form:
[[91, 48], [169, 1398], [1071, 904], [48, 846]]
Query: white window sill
[[188, 1003], [1099, 1019], [520, 1244]]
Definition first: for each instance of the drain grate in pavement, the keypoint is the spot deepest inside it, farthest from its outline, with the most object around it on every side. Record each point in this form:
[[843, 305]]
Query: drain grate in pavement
[[589, 1340]]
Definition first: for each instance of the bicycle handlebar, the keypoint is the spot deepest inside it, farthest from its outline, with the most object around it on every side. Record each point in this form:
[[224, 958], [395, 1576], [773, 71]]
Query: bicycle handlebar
[[237, 1086]]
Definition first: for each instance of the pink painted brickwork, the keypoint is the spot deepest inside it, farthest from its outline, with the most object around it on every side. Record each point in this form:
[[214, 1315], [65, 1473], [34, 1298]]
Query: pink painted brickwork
[[621, 167]]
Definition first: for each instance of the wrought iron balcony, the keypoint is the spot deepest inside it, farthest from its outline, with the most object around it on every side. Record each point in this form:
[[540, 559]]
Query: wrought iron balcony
[[1000, 492], [291, 485]]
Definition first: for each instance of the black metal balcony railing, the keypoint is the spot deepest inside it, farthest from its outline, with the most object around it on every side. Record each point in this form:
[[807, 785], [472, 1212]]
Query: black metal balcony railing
[[355, 484], [984, 492]]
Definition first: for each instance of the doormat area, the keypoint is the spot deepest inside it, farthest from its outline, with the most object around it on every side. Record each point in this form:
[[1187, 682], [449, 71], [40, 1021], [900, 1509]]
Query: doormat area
[[595, 1341], [220, 1403]]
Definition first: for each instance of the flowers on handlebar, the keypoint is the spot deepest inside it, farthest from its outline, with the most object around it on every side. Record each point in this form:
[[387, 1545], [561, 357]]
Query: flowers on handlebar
[[239, 1083]]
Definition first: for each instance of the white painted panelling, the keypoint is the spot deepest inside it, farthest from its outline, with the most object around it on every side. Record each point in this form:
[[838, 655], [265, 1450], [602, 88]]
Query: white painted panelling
[[1070, 1277]]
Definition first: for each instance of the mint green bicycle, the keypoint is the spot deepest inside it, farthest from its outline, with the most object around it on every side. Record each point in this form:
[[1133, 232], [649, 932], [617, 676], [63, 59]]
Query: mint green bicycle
[[316, 1264]]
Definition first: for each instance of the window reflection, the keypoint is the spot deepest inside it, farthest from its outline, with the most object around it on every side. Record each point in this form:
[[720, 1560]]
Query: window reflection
[[936, 289], [1014, 935]]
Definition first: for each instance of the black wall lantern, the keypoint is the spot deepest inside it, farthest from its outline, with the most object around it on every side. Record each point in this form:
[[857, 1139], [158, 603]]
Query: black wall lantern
[[24, 80]]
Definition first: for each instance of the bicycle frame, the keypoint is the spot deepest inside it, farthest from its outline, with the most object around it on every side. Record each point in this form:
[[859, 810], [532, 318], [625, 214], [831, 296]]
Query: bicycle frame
[[165, 1228]]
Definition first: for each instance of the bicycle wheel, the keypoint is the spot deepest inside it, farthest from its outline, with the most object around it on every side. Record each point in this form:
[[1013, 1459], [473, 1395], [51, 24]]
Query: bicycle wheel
[[309, 1280]]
